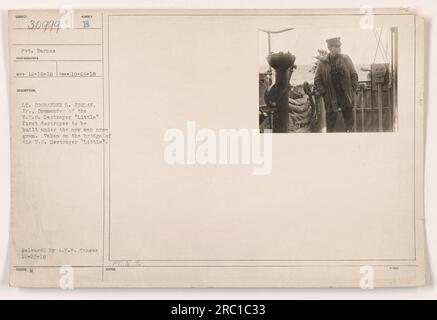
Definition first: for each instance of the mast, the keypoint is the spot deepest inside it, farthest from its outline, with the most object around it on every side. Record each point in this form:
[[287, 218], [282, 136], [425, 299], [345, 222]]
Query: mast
[[394, 68]]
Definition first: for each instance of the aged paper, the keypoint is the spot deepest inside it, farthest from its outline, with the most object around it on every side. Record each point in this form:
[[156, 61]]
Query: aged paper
[[240, 148]]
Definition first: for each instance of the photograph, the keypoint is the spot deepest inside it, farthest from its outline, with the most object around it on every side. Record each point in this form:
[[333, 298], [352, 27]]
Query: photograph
[[328, 81]]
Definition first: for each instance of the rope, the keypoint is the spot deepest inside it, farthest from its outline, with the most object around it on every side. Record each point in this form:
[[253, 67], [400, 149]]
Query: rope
[[380, 47]]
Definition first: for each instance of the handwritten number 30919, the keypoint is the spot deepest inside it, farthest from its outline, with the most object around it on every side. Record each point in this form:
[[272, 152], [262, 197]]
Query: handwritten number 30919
[[45, 25]]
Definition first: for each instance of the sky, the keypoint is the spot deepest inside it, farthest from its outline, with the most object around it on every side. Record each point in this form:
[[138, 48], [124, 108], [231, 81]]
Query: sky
[[361, 45]]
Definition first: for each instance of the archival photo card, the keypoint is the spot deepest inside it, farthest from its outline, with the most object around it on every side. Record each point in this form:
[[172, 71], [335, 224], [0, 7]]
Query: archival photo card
[[151, 148]]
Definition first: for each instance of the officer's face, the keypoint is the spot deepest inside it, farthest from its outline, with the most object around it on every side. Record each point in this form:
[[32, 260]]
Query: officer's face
[[335, 49]]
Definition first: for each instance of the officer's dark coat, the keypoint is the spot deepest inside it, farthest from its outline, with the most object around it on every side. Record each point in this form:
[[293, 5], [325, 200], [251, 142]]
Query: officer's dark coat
[[324, 85]]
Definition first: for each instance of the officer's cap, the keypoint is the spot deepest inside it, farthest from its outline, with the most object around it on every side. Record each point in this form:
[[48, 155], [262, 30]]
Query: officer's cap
[[334, 41]]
